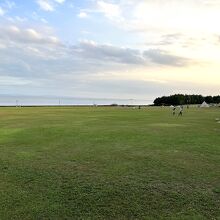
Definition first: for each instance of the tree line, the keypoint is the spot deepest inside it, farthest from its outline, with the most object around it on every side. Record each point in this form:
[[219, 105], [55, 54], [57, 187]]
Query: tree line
[[180, 99]]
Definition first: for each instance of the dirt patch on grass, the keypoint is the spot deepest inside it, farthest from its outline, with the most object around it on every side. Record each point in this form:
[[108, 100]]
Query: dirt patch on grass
[[167, 125]]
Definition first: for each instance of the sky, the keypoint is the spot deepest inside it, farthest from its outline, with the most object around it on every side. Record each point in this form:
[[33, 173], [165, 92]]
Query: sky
[[138, 49]]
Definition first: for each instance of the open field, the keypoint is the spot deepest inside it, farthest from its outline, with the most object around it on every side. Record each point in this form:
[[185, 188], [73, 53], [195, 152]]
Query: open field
[[109, 163]]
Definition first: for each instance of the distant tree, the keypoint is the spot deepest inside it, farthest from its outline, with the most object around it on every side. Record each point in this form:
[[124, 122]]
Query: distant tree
[[209, 99], [180, 99], [216, 99]]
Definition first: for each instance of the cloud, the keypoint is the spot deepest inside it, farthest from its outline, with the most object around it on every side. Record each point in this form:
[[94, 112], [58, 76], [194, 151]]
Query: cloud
[[42, 50], [168, 39], [25, 36], [2, 12], [151, 44], [112, 54], [152, 19], [82, 15], [45, 5], [5, 7], [49, 5], [109, 10], [108, 53], [60, 1], [87, 69], [37, 59], [164, 58]]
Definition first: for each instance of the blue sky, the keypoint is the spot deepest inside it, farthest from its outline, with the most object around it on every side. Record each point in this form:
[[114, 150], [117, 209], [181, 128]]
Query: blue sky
[[109, 48]]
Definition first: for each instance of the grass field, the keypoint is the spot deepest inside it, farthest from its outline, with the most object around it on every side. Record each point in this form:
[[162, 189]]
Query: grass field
[[109, 163]]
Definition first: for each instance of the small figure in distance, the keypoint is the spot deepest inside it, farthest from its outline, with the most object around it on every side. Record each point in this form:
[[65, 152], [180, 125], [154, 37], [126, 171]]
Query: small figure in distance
[[181, 111], [174, 110]]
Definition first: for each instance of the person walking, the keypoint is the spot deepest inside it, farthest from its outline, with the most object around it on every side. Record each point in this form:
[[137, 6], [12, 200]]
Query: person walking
[[181, 111], [174, 110]]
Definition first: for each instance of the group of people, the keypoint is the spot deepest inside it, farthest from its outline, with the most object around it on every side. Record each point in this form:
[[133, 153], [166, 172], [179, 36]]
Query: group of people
[[180, 110]]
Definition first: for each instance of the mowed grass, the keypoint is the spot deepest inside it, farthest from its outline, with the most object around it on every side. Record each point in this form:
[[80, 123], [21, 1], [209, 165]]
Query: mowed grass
[[109, 163]]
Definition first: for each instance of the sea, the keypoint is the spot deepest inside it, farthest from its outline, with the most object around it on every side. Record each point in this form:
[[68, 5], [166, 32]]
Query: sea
[[20, 100]]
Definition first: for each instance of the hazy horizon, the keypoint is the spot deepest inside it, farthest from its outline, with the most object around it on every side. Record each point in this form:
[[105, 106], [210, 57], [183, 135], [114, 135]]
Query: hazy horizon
[[27, 100]]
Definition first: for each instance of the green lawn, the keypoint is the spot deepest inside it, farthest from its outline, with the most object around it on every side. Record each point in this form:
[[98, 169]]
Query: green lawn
[[109, 163]]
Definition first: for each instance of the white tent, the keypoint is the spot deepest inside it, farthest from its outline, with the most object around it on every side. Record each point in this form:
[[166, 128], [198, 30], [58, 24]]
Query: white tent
[[204, 105]]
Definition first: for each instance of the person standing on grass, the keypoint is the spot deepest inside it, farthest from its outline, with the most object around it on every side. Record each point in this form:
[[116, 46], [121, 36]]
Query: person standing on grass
[[181, 111], [174, 110]]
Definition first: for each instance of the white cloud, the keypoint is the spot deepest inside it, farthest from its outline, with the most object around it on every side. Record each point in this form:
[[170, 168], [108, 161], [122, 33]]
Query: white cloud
[[44, 20], [49, 5], [2, 12], [45, 5], [191, 16], [109, 10], [5, 7], [178, 16], [36, 54], [33, 34], [82, 15], [27, 36], [185, 28], [60, 1]]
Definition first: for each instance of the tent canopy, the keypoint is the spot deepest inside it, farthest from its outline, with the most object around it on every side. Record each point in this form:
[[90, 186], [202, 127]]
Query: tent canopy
[[204, 105]]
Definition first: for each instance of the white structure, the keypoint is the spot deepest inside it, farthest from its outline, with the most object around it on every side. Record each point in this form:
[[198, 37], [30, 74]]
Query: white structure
[[204, 105]]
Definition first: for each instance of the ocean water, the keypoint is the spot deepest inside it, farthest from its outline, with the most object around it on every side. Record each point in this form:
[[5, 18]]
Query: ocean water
[[6, 100]]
